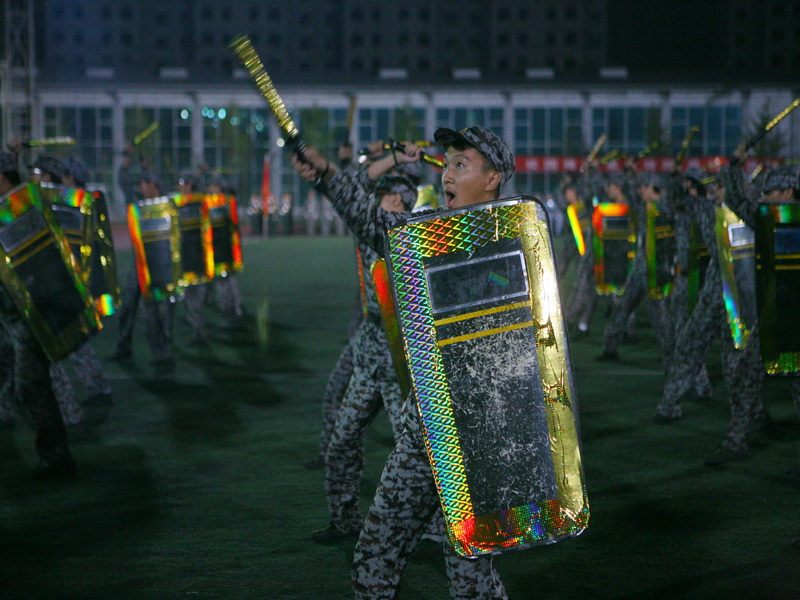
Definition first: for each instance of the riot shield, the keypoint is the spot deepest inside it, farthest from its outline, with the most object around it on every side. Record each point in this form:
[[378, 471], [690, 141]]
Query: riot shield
[[225, 234], [661, 253], [41, 274], [485, 343], [778, 285], [197, 250], [103, 284], [699, 257], [736, 254], [383, 292], [155, 236], [614, 243]]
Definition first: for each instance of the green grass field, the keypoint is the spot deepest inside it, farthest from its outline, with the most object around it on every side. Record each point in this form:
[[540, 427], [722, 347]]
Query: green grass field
[[192, 486]]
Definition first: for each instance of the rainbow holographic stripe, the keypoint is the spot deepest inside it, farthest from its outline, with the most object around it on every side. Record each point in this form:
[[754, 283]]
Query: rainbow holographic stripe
[[576, 228], [599, 240], [157, 208], [541, 522], [725, 219], [657, 231], [778, 286], [383, 292], [222, 268]]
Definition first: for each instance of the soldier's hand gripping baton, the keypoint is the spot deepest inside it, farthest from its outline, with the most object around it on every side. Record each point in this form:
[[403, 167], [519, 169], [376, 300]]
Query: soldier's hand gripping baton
[[431, 160], [593, 153], [251, 61], [778, 118]]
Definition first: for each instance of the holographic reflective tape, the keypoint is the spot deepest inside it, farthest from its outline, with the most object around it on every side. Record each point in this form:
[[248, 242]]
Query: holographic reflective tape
[[576, 228], [106, 291], [540, 522], [383, 292], [725, 218], [66, 326], [203, 224], [656, 232], [698, 262], [778, 286], [230, 227], [147, 211], [599, 241], [362, 282]]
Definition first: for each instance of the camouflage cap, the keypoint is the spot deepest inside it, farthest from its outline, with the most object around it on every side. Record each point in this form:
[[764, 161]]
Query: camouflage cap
[[781, 178], [48, 164], [649, 178], [149, 176], [398, 184], [484, 141], [75, 167], [217, 179], [617, 179], [411, 170], [695, 174], [7, 162], [187, 178]]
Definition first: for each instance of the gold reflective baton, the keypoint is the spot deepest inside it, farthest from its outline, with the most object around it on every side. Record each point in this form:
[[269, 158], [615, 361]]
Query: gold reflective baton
[[51, 141], [778, 118], [685, 143], [756, 171], [146, 132], [609, 156], [649, 149], [596, 148], [243, 48]]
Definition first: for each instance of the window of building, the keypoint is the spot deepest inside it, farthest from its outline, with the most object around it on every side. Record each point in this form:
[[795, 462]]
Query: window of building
[[274, 14], [570, 13], [720, 129], [550, 40], [126, 38], [503, 14], [424, 14], [125, 13], [424, 40], [502, 40], [570, 39], [356, 40], [551, 13], [357, 15], [547, 131]]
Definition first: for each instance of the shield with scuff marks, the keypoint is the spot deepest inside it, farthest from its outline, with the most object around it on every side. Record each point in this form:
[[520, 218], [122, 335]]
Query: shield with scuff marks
[[485, 343]]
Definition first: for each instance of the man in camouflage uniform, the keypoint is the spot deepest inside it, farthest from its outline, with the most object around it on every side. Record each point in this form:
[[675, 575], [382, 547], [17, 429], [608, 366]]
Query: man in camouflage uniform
[[229, 298], [781, 184], [686, 368], [583, 297], [477, 164], [158, 316], [636, 287], [373, 382], [25, 369]]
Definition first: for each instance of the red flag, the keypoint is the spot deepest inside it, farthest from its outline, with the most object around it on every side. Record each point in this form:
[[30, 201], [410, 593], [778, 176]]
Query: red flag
[[265, 191]]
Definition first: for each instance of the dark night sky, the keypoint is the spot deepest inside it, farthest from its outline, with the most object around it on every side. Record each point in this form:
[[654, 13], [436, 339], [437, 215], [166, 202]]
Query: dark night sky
[[665, 35]]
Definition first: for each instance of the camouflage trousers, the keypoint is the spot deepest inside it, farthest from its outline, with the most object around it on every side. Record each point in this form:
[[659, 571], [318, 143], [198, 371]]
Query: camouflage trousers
[[158, 319], [335, 390], [624, 309], [229, 298], [583, 298], [373, 385], [89, 372], [25, 377], [404, 504], [744, 375], [692, 340], [194, 300]]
